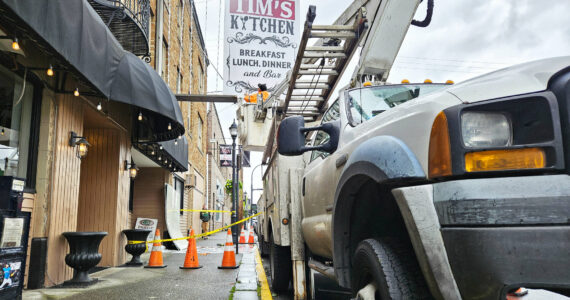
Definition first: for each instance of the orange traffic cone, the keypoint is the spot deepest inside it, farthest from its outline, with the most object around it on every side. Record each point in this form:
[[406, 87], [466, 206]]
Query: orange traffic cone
[[229, 259], [155, 260], [191, 260], [242, 236], [251, 238]]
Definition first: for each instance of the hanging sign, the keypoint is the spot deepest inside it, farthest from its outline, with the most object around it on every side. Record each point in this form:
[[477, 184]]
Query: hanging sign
[[261, 38], [225, 155]]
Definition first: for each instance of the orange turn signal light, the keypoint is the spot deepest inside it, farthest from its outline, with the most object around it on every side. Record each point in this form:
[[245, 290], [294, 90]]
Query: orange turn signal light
[[510, 159], [439, 158]]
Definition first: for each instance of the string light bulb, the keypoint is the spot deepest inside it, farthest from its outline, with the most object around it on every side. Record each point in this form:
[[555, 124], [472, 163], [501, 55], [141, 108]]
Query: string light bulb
[[169, 126], [15, 44], [152, 152], [160, 157], [160, 147], [140, 116], [76, 92], [99, 107], [176, 142], [3, 132], [49, 71]]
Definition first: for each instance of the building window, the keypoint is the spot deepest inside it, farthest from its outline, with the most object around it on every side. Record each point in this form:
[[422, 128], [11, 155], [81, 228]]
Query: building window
[[179, 192], [199, 132], [180, 22], [164, 61], [189, 118], [20, 111], [201, 78], [178, 81]]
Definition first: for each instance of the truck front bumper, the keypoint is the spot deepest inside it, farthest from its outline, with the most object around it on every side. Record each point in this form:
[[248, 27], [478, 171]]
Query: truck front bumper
[[479, 238]]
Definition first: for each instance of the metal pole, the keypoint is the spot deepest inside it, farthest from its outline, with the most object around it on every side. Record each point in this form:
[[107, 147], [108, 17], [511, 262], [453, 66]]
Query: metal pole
[[251, 189], [235, 185]]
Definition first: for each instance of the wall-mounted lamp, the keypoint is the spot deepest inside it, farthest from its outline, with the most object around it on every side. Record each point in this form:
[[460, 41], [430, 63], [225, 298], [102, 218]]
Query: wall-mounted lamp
[[15, 44], [132, 167], [80, 142], [49, 71]]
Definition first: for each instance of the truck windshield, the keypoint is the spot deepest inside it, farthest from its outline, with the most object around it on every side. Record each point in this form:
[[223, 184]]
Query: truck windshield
[[368, 102]]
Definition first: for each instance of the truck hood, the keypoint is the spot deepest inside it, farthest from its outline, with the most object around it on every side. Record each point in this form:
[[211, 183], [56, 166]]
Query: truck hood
[[515, 80]]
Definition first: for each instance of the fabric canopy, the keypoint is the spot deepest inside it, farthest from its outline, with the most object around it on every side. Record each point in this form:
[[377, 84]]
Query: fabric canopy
[[79, 36], [178, 152]]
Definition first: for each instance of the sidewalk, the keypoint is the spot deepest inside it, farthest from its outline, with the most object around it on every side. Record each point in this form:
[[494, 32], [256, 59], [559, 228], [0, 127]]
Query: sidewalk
[[138, 283]]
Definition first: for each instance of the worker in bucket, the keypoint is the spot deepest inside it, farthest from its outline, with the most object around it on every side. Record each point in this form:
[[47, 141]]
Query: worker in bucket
[[205, 217], [261, 93]]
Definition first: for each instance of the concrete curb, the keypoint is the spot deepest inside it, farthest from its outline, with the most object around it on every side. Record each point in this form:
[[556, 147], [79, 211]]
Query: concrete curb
[[251, 278]]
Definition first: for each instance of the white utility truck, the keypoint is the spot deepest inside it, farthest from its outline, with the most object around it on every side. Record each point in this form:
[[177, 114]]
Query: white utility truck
[[417, 191]]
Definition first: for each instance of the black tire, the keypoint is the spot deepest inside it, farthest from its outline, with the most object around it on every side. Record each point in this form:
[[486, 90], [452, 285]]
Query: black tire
[[281, 266], [392, 266], [263, 247]]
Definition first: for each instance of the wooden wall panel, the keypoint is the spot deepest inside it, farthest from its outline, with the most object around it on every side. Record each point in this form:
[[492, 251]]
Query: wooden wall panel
[[148, 198], [65, 188], [185, 215], [104, 191], [28, 206]]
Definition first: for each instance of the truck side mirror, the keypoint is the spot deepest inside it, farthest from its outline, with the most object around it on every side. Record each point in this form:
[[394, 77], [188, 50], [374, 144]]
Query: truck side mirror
[[291, 136]]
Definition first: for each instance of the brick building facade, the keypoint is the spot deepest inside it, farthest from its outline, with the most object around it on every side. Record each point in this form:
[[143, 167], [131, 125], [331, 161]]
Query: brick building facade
[[178, 54], [217, 176]]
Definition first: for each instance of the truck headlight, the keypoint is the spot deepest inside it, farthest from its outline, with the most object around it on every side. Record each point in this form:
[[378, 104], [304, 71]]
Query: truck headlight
[[486, 129]]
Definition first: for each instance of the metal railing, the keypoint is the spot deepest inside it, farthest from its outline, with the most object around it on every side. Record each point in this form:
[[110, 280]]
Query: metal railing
[[128, 20]]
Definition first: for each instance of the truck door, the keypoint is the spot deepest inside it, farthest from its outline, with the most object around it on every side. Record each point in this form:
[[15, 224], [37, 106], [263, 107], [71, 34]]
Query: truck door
[[319, 182]]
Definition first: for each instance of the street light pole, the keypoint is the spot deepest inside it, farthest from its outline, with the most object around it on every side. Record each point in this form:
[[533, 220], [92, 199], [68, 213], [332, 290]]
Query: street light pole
[[235, 185], [251, 189]]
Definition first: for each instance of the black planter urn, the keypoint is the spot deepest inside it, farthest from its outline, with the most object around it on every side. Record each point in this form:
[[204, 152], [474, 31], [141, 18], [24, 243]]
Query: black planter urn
[[135, 249], [83, 255]]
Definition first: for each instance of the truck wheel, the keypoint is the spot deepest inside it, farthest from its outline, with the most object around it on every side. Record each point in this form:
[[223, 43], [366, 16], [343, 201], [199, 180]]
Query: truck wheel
[[263, 247], [281, 266], [388, 267]]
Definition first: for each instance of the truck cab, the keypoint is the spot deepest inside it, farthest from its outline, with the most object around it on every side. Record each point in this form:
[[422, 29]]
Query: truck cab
[[460, 193]]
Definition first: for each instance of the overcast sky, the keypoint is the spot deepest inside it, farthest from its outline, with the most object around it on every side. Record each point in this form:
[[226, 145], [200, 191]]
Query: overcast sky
[[465, 39]]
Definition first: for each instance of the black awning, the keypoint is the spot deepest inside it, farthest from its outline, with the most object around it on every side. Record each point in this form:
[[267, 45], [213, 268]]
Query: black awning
[[171, 155], [136, 83], [178, 152], [78, 35]]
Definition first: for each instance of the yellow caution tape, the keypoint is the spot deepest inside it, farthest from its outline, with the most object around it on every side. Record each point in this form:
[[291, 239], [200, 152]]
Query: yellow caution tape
[[197, 235], [204, 210]]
